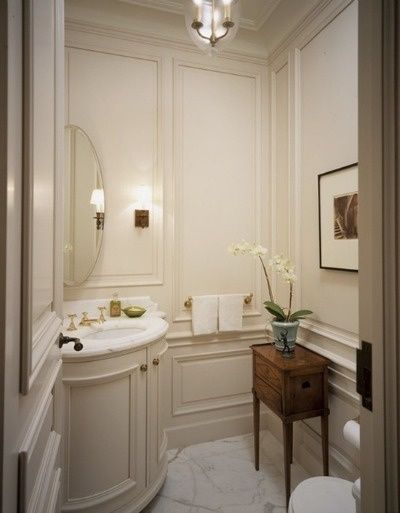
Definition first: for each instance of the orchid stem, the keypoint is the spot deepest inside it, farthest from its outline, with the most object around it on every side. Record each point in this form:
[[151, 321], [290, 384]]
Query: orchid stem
[[271, 296], [290, 302]]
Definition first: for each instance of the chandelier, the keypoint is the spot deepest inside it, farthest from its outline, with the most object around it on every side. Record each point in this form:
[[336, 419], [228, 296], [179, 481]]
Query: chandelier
[[212, 23]]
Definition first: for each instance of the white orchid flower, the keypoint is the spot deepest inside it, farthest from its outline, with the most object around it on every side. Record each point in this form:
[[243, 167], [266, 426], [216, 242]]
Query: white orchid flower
[[246, 248]]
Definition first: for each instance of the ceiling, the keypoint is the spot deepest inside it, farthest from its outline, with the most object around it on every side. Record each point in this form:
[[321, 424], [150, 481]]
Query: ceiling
[[254, 13]]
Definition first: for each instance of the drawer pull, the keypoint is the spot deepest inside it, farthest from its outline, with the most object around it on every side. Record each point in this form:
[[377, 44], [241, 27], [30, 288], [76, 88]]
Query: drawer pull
[[143, 367], [156, 361], [305, 384]]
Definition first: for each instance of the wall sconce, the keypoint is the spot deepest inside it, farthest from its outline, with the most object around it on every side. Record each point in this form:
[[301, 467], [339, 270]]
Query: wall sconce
[[142, 215], [97, 199]]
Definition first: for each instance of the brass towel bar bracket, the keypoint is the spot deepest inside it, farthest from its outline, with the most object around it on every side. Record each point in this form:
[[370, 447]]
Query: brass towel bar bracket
[[189, 301]]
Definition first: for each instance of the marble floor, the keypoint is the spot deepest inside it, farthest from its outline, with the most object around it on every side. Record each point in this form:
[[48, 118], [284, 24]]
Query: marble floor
[[220, 477]]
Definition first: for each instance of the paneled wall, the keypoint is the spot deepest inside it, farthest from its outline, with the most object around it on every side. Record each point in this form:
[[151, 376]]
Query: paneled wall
[[313, 81], [194, 130]]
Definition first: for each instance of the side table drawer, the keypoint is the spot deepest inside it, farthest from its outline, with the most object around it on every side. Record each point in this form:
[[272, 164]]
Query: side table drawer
[[267, 373], [306, 393], [268, 395]]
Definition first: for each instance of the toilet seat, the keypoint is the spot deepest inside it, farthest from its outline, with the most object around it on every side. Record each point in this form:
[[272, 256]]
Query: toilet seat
[[323, 495]]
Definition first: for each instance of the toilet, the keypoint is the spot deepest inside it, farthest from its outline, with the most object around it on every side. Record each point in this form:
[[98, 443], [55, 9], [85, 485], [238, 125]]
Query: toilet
[[329, 494]]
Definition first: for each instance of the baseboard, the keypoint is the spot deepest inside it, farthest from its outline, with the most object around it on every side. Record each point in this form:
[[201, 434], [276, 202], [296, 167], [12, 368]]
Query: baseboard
[[199, 432]]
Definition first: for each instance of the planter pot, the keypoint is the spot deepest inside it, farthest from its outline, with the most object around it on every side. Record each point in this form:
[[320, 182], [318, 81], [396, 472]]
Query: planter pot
[[285, 331]]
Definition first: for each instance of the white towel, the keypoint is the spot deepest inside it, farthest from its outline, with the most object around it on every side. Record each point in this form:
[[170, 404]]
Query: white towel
[[231, 312], [204, 315]]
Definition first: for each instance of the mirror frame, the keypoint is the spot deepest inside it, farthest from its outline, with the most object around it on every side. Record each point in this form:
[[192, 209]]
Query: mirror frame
[[79, 283]]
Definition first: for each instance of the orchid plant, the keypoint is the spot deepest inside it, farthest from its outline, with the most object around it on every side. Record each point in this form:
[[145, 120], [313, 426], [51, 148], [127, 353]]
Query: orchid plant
[[284, 268]]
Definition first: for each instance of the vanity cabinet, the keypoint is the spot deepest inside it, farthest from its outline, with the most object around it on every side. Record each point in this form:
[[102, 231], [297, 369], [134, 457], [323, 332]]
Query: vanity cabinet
[[115, 443]]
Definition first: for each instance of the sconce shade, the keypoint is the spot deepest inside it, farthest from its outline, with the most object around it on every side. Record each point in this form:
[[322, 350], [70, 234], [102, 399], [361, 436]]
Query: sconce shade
[[97, 198], [143, 196]]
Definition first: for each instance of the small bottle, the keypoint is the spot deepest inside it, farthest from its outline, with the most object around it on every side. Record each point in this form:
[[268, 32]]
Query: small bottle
[[115, 306]]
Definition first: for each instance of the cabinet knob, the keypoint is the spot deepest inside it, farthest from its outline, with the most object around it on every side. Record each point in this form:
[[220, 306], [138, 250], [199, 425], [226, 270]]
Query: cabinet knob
[[156, 361], [143, 367]]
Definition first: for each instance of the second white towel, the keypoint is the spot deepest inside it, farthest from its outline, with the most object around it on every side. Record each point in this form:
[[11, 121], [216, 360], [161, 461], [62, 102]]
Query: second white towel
[[231, 312]]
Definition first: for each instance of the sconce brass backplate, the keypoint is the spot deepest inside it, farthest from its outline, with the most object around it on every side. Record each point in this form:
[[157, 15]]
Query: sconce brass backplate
[[142, 218], [99, 220]]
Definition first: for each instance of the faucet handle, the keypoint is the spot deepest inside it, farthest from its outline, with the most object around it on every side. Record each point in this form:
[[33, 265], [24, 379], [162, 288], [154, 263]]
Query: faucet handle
[[102, 310], [84, 318], [72, 326]]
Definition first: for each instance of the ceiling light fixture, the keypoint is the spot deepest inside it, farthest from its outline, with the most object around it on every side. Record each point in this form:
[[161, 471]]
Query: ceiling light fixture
[[212, 23]]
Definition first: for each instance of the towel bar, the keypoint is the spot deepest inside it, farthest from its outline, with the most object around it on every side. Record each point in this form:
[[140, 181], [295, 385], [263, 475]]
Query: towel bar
[[189, 301]]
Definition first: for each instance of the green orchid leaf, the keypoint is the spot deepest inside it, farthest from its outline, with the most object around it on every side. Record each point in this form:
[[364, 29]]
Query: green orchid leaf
[[300, 314], [275, 310]]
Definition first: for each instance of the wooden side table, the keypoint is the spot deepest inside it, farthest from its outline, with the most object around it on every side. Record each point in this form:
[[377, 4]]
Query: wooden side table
[[294, 389]]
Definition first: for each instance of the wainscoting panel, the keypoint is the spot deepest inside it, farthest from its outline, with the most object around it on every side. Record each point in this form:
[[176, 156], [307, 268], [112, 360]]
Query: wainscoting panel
[[228, 381]]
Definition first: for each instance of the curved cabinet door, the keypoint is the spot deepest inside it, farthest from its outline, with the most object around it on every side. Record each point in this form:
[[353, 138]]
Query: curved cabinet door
[[157, 443], [106, 416]]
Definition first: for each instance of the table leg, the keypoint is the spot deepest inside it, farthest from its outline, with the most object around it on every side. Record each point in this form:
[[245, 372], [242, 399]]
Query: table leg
[[287, 451], [256, 419], [325, 443]]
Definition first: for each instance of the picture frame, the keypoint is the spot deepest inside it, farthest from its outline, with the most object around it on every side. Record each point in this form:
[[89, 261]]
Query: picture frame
[[338, 218]]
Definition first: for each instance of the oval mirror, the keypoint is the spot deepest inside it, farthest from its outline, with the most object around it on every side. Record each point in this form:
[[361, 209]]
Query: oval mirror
[[84, 206]]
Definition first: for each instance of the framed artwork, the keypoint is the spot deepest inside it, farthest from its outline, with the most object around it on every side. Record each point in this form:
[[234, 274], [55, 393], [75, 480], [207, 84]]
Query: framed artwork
[[338, 219]]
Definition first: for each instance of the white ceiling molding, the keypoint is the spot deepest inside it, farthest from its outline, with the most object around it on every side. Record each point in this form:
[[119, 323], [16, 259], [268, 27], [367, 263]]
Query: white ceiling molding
[[100, 29], [264, 15], [177, 7], [161, 5]]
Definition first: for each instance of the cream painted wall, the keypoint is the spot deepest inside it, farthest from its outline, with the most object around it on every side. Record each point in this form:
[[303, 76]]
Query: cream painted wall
[[230, 155], [328, 129], [314, 129]]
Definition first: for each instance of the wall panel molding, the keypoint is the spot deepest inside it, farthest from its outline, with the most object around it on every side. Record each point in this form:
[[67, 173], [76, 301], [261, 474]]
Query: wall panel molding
[[217, 400], [156, 276], [186, 338], [41, 292], [180, 314], [39, 452]]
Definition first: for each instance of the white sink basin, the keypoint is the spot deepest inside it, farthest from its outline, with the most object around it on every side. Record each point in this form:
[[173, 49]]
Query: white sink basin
[[114, 333]]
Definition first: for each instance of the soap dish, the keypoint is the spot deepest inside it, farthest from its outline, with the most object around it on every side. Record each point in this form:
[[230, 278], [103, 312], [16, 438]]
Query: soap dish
[[134, 311]]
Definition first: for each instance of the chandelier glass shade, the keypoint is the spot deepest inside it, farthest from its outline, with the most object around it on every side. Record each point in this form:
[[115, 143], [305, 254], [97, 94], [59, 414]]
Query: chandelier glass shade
[[212, 23]]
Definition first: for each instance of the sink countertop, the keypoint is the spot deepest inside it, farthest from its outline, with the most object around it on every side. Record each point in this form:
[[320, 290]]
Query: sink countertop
[[148, 328]]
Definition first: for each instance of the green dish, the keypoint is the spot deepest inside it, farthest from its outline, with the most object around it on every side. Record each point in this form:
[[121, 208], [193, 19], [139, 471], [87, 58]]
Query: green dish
[[134, 311]]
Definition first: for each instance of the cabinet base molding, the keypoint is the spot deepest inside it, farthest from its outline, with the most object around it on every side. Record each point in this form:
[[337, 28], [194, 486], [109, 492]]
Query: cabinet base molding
[[134, 506], [148, 495]]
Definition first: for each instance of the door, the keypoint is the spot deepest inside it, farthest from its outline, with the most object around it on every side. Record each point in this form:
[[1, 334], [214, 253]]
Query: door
[[379, 171], [32, 239], [157, 438]]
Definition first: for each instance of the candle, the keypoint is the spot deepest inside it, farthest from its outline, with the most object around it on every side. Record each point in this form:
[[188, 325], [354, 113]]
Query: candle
[[198, 9], [227, 10]]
